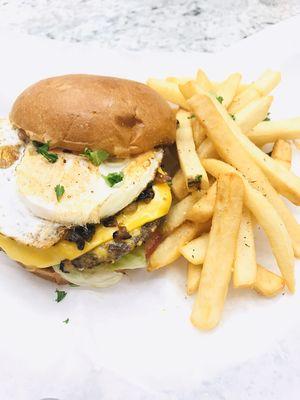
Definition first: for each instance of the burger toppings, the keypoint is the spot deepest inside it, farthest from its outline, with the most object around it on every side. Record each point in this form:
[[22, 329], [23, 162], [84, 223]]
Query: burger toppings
[[121, 234], [80, 235], [96, 157], [162, 178], [59, 190], [43, 149], [110, 222], [113, 178], [147, 194]]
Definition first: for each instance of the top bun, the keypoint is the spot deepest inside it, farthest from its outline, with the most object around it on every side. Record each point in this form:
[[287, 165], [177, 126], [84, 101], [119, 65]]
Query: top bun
[[73, 112]]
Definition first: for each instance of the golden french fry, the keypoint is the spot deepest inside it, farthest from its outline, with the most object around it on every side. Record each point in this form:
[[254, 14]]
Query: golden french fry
[[237, 149], [242, 99], [169, 249], [169, 91], [253, 113], [270, 131], [203, 80], [178, 212], [227, 89], [242, 87], [179, 79], [267, 217], [193, 278], [267, 82], [207, 149], [267, 283], [195, 174], [179, 188], [203, 209], [244, 271], [198, 132], [216, 272], [195, 250], [282, 153]]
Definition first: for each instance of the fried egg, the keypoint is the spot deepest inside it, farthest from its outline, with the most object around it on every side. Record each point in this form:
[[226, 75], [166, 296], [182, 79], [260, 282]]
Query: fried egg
[[87, 196], [16, 220]]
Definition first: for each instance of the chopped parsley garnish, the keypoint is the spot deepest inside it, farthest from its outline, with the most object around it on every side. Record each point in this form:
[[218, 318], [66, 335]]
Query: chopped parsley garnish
[[113, 178], [267, 117], [177, 124], [66, 321], [43, 149], [192, 116], [198, 178], [232, 116], [96, 157], [60, 295], [220, 99], [59, 190]]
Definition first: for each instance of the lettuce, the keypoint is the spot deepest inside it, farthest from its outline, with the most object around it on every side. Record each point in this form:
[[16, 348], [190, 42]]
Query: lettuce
[[105, 274]]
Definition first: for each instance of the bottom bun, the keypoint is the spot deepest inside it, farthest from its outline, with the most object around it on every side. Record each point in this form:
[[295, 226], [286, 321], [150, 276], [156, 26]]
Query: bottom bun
[[49, 274]]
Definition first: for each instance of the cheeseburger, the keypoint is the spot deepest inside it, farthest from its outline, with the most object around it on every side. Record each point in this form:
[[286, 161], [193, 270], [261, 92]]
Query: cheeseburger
[[82, 189]]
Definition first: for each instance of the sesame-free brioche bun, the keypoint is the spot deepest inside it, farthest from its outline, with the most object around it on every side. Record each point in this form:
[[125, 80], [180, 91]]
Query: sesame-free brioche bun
[[73, 112]]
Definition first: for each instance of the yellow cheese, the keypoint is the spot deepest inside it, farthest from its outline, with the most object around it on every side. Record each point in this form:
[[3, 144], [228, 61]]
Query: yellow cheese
[[64, 250]]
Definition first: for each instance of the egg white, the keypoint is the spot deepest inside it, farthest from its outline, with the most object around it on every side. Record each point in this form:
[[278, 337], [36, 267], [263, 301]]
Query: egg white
[[87, 197], [16, 220]]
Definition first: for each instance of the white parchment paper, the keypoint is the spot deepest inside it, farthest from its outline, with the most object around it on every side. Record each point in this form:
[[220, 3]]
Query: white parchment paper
[[135, 341]]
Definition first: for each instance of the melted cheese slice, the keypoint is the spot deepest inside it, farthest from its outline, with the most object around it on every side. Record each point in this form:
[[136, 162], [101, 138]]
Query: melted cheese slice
[[41, 258]]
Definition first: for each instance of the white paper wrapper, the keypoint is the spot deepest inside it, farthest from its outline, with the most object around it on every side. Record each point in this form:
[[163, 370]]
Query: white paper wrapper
[[135, 341]]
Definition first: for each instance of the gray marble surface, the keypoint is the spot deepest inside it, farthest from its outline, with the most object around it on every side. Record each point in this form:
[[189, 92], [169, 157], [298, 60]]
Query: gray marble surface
[[149, 24]]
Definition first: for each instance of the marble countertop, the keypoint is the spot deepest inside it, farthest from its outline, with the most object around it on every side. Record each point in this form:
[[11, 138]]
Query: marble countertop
[[149, 24]]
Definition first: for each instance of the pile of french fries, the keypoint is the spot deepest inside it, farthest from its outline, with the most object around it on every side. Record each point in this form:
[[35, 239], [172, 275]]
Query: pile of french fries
[[226, 185]]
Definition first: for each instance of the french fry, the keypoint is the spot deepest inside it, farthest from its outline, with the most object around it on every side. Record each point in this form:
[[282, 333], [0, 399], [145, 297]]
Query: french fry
[[253, 113], [267, 82], [168, 250], [282, 153], [242, 87], [242, 99], [195, 250], [227, 89], [169, 91], [195, 174], [198, 132], [270, 131], [203, 81], [177, 213], [267, 217], [193, 278], [179, 188], [236, 148], [216, 272], [179, 79], [207, 149], [203, 209], [244, 271], [267, 283]]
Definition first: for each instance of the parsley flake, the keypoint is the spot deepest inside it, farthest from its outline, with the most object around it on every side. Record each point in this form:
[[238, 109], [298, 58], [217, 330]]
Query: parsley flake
[[113, 178], [198, 178], [59, 190], [66, 321], [96, 157], [267, 117], [60, 295], [220, 99], [232, 116], [192, 116], [43, 149]]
